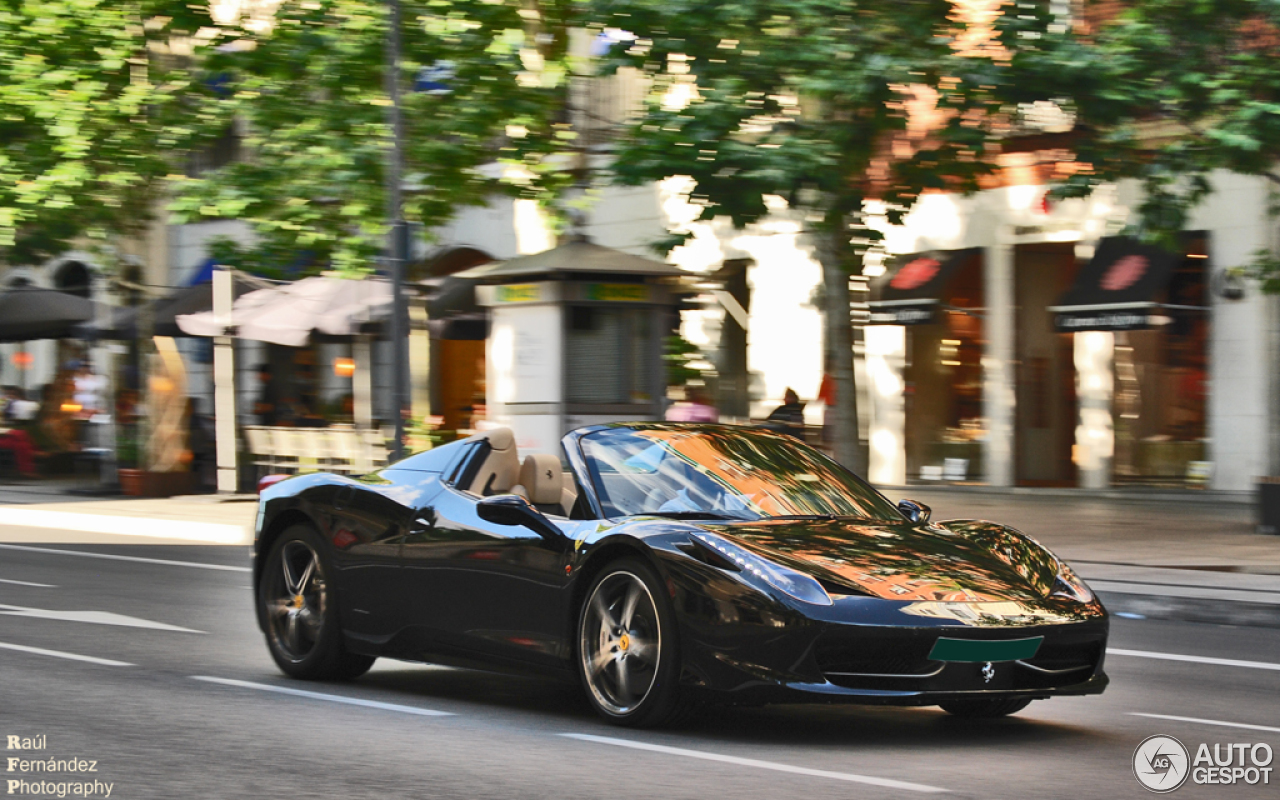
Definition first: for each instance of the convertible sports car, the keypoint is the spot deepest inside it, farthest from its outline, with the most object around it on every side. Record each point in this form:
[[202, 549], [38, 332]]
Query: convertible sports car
[[671, 563]]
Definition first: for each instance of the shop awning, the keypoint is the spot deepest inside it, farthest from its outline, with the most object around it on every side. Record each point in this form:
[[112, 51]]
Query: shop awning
[[1118, 290], [910, 292]]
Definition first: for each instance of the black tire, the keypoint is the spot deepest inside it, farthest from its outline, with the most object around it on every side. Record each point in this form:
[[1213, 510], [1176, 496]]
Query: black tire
[[628, 652], [985, 707], [299, 612]]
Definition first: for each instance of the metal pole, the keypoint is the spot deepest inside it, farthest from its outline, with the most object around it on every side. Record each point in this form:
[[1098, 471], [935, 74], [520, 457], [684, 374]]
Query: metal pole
[[224, 386], [398, 243], [107, 467]]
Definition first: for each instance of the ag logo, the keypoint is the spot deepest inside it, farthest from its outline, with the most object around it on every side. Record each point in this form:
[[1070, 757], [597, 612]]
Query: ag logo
[[1161, 763]]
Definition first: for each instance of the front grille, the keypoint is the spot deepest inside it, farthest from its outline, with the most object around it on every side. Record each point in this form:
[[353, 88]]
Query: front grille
[[875, 656], [1067, 653]]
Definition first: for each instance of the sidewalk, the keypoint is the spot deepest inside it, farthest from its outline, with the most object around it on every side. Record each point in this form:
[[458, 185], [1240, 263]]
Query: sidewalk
[[1190, 556], [50, 512]]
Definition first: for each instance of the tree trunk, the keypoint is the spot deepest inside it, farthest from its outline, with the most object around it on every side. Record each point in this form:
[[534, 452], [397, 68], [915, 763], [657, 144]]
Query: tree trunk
[[831, 249]]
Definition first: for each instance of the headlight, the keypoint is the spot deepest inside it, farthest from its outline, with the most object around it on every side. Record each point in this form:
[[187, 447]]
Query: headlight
[[1068, 584], [800, 586]]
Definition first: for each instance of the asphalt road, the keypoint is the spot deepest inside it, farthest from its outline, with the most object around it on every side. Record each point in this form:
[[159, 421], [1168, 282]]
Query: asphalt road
[[145, 709]]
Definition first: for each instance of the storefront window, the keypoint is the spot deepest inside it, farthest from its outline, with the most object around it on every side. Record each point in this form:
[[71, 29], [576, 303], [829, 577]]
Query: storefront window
[[1161, 385], [945, 427]]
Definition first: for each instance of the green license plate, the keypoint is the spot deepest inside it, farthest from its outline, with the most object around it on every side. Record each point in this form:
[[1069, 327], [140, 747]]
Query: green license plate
[[977, 651]]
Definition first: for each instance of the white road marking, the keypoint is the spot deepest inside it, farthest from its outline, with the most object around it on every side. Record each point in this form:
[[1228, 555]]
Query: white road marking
[[113, 557], [1207, 722], [1219, 662], [106, 662], [29, 583], [332, 698], [751, 762], [91, 617], [208, 532]]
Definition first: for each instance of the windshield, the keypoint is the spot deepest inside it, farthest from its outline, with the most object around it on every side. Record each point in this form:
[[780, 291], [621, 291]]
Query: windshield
[[722, 473]]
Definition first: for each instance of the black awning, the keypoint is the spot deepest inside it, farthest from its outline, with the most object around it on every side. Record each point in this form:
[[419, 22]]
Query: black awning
[[910, 292], [1118, 290], [460, 327]]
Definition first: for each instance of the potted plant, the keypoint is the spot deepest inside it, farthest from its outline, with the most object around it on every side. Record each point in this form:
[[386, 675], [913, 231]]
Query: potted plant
[[127, 468]]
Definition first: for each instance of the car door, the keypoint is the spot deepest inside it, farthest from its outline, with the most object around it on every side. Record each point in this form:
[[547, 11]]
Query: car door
[[490, 590]]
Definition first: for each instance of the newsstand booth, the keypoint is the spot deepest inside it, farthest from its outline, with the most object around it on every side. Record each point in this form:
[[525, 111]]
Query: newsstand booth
[[575, 338]]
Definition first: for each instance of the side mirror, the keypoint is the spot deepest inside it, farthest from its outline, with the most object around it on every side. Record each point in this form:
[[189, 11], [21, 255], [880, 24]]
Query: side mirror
[[916, 513], [512, 509]]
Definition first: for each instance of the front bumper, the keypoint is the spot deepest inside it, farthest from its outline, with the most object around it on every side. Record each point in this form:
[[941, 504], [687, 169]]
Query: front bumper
[[840, 660]]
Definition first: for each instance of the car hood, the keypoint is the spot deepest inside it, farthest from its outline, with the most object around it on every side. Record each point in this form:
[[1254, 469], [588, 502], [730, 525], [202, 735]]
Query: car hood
[[958, 561]]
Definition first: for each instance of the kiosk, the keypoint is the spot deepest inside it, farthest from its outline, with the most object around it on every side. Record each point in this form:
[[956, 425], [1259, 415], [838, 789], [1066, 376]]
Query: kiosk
[[575, 338]]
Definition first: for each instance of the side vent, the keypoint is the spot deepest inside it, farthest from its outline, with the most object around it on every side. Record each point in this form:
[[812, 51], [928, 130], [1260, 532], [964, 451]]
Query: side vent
[[707, 556]]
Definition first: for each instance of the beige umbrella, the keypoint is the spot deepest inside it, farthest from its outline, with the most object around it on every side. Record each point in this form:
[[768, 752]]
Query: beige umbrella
[[290, 314]]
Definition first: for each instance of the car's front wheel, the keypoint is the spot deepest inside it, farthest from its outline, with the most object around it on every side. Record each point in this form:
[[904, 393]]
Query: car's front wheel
[[986, 707], [628, 655], [299, 612]]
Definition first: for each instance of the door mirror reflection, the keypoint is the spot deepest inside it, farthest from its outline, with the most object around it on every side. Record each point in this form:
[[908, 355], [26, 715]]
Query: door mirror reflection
[[916, 513]]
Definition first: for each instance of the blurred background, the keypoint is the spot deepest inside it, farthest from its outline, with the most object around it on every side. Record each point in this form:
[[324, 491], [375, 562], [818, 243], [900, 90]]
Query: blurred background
[[949, 242]]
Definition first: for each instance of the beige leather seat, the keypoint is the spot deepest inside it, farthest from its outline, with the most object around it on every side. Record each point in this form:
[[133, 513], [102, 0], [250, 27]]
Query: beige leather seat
[[499, 471], [542, 482]]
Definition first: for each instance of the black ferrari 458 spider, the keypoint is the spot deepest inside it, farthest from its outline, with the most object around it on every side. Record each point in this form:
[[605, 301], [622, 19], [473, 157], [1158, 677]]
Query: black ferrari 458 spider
[[669, 564]]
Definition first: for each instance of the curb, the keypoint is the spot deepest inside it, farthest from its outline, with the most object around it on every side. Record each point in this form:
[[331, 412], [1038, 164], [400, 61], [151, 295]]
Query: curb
[[1193, 609]]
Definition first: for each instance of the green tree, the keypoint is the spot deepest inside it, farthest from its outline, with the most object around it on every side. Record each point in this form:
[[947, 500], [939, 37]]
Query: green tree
[[802, 99], [482, 88], [92, 119], [1161, 91]]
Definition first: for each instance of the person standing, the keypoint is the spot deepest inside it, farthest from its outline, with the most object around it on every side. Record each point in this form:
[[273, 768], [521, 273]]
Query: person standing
[[89, 390], [696, 407], [788, 418], [827, 394], [268, 407]]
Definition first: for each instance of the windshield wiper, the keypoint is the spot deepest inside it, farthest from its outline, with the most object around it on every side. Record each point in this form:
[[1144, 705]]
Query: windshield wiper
[[695, 515], [806, 516]]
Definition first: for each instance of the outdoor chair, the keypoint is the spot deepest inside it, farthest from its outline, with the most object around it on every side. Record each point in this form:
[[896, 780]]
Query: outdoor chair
[[285, 448], [312, 448], [343, 449], [375, 446], [260, 448]]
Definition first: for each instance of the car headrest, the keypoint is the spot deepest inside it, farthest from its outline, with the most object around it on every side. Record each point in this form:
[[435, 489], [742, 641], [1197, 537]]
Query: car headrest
[[541, 477], [500, 438], [501, 467]]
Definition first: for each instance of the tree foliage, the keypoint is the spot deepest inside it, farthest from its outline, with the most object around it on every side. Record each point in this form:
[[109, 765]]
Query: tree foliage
[[1164, 92], [805, 99], [91, 118], [309, 91]]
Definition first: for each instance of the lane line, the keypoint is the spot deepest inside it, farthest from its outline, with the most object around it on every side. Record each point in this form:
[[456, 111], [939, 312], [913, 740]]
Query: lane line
[[751, 762], [92, 617], [39, 651], [29, 583], [332, 698], [1207, 722], [112, 557], [1220, 662], [187, 531]]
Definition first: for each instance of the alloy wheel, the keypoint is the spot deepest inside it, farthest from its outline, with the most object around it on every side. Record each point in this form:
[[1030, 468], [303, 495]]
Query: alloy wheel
[[296, 599], [620, 643]]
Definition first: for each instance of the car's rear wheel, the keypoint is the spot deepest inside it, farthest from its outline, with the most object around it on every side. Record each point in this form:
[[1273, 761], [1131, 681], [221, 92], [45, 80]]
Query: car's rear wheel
[[986, 707], [628, 655], [299, 611]]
